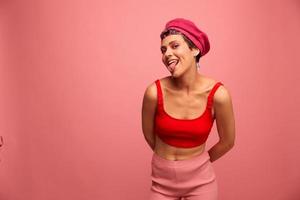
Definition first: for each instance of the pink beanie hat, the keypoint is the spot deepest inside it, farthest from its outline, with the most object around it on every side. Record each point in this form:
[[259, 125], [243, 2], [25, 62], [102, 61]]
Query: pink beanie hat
[[191, 31]]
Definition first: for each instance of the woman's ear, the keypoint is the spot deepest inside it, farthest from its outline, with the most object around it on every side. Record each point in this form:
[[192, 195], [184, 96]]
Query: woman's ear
[[197, 51]]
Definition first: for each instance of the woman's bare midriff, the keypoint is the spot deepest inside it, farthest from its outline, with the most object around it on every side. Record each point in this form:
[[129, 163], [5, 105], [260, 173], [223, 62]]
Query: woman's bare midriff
[[174, 153]]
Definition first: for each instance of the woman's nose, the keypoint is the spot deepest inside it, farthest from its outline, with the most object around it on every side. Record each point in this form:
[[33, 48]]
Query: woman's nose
[[168, 53]]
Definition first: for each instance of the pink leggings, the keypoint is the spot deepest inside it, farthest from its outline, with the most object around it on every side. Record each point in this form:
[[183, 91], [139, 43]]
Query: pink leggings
[[190, 179]]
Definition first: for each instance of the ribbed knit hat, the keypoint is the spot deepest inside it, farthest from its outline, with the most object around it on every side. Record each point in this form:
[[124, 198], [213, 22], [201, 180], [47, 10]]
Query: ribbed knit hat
[[191, 31]]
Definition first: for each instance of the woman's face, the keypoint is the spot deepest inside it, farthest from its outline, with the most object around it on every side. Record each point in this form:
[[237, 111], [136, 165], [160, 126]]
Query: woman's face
[[176, 54]]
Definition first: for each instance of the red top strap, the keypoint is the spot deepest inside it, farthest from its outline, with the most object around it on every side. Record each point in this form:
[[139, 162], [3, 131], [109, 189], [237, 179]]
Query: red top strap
[[159, 94], [211, 94]]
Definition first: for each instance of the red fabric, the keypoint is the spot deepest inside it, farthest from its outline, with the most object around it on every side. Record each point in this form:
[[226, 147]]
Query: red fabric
[[190, 30], [184, 133]]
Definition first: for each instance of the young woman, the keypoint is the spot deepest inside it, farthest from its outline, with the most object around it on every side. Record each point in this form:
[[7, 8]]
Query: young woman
[[177, 116]]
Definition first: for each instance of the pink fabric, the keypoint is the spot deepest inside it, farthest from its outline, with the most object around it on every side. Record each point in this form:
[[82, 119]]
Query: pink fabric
[[191, 179], [190, 30]]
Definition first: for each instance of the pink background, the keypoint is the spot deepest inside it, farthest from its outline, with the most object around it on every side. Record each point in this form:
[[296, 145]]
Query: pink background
[[73, 74]]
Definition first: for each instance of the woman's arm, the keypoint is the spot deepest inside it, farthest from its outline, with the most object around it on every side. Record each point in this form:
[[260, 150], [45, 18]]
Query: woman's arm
[[225, 123], [148, 113]]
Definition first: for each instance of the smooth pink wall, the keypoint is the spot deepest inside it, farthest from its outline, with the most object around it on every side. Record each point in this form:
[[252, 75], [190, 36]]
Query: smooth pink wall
[[73, 74]]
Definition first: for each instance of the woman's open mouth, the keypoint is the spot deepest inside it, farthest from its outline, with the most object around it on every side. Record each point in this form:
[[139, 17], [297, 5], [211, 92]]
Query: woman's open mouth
[[172, 65]]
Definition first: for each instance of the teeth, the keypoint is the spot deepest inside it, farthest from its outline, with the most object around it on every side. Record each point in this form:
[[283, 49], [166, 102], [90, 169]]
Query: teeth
[[171, 61]]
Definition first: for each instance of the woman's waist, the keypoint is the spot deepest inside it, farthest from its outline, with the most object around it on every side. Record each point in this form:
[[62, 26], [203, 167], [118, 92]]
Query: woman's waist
[[176, 153]]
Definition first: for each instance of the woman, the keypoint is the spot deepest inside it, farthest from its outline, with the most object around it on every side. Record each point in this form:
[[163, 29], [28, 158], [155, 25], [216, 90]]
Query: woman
[[177, 116]]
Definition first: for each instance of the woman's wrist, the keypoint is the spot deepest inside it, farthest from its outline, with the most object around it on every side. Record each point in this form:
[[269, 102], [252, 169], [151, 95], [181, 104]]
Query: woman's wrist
[[218, 150]]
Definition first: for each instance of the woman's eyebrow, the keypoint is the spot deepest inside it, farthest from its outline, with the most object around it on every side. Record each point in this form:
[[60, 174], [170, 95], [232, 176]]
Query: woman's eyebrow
[[169, 43]]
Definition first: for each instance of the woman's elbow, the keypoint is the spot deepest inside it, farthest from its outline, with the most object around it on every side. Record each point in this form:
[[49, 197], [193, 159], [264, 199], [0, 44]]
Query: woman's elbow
[[228, 144]]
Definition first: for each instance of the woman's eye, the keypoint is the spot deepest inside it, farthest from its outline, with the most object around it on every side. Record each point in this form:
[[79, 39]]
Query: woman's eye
[[174, 47]]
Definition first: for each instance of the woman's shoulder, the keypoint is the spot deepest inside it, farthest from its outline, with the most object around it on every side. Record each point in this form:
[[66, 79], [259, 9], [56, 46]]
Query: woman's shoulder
[[210, 82], [163, 81], [151, 89], [222, 93]]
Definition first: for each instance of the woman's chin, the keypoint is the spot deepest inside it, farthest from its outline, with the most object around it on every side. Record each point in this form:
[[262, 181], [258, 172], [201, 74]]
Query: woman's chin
[[174, 74], [174, 70]]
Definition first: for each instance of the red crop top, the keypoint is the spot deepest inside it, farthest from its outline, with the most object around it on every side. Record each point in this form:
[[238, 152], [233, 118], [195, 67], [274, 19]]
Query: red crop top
[[183, 133]]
